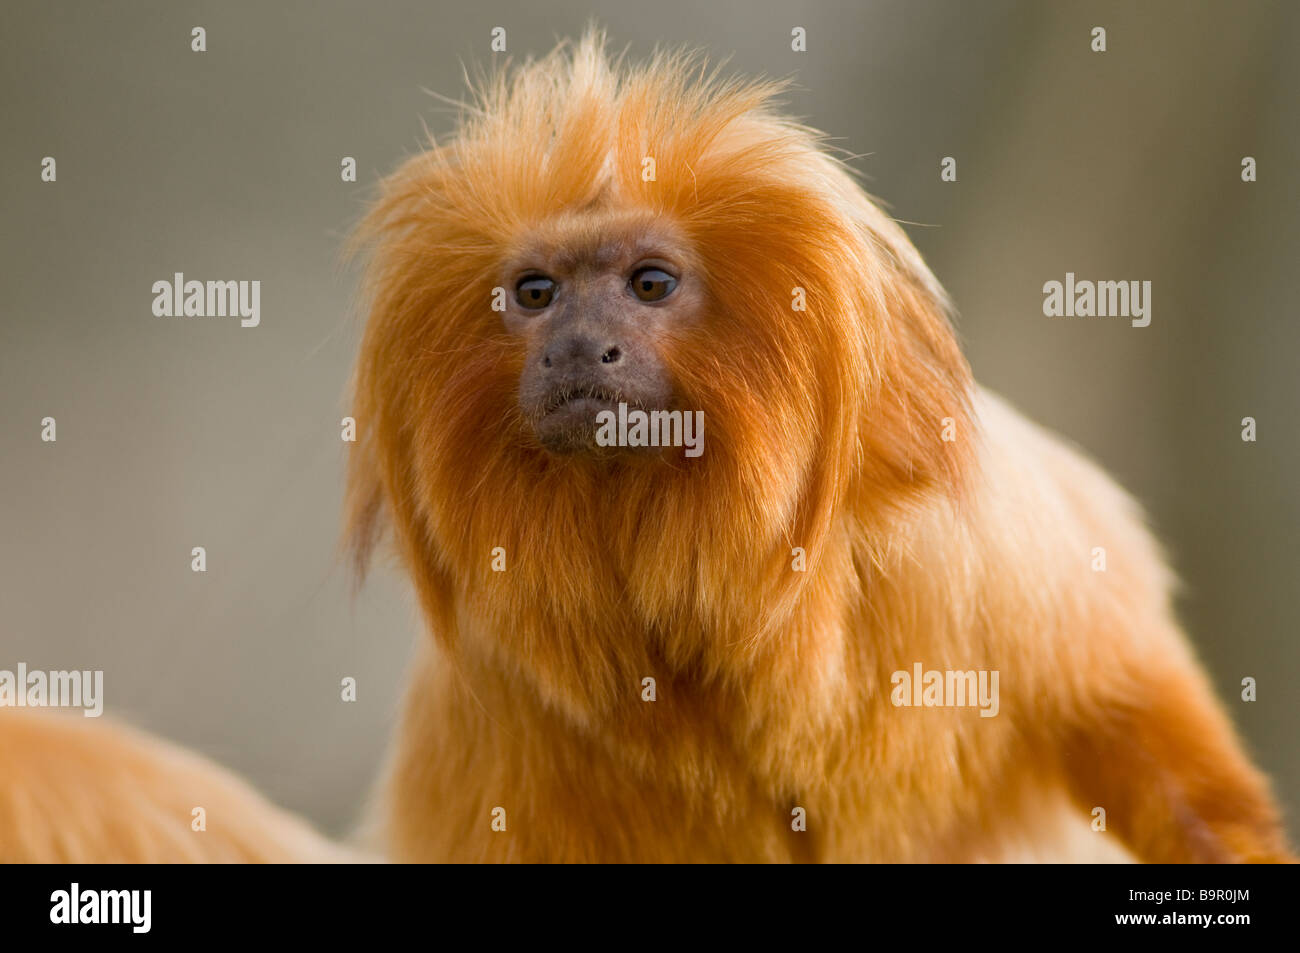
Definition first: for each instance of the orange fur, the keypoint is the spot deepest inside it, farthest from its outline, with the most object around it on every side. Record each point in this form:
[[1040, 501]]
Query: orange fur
[[773, 685], [823, 433], [76, 790]]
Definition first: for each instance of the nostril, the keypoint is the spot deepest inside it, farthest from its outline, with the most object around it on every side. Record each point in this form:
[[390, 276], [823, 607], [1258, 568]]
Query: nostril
[[546, 360], [611, 356]]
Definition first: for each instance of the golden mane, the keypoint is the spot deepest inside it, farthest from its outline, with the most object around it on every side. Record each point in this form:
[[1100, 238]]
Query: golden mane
[[814, 416]]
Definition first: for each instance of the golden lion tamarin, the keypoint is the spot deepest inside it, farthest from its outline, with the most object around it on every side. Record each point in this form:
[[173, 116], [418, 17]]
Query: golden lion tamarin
[[860, 510], [723, 555]]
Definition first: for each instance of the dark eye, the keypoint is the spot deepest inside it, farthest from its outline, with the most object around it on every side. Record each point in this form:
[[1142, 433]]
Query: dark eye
[[535, 292], [651, 284]]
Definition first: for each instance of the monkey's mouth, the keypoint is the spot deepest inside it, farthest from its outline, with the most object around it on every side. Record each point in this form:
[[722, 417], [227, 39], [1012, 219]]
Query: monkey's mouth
[[580, 398], [572, 416]]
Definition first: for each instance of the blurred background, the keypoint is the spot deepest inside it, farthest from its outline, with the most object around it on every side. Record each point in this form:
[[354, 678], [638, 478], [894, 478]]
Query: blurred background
[[176, 433]]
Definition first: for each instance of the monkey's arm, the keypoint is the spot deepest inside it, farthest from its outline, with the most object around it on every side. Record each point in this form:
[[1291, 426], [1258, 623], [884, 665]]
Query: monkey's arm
[[1166, 765]]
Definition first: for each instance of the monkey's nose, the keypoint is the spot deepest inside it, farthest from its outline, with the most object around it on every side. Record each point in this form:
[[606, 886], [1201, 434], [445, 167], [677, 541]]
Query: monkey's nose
[[579, 351]]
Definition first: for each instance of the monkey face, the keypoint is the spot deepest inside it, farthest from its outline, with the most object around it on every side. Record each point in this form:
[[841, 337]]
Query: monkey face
[[584, 241], [593, 307]]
